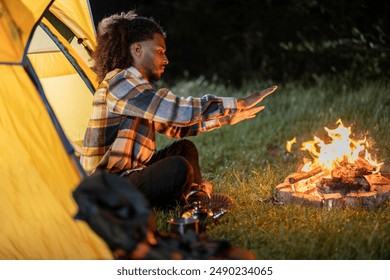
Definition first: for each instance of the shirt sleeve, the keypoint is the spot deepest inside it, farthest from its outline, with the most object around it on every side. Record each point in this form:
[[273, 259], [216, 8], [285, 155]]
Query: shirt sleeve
[[131, 96], [181, 132]]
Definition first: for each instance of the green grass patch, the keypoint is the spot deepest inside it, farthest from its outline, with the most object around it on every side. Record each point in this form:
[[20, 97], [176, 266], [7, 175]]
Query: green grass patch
[[249, 159]]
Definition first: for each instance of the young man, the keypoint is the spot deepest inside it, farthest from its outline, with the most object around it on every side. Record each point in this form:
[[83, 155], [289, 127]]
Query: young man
[[128, 111]]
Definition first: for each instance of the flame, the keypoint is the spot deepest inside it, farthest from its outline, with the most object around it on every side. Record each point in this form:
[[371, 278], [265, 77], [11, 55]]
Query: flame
[[290, 143], [341, 148]]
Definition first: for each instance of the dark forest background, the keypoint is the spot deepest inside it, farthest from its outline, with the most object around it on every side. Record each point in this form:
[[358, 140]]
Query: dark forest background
[[233, 41]]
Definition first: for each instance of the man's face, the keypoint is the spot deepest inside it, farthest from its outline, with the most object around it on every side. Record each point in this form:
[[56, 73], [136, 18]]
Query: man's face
[[152, 60]]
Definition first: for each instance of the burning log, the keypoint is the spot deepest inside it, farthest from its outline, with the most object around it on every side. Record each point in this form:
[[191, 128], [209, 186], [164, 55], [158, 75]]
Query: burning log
[[343, 186], [309, 183], [376, 180], [293, 178], [358, 168], [364, 165]]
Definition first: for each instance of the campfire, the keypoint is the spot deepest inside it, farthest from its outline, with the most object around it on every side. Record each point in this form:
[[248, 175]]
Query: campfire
[[339, 173]]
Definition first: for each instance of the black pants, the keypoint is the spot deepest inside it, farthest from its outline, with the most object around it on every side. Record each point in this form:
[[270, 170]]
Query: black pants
[[169, 174]]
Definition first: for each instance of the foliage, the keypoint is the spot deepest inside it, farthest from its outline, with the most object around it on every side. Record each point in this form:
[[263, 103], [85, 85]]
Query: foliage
[[278, 40], [248, 160]]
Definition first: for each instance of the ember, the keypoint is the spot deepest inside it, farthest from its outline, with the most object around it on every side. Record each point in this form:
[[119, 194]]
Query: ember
[[341, 173]]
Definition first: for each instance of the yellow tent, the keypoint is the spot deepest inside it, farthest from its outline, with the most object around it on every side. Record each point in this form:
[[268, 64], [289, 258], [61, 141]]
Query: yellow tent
[[45, 97]]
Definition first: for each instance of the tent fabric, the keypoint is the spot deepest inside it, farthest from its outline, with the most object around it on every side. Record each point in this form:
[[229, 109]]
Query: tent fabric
[[82, 59], [46, 57], [77, 16], [38, 171], [71, 103], [17, 20], [72, 115]]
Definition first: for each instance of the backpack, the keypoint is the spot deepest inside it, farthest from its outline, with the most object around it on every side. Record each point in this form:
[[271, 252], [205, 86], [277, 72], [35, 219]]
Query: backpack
[[119, 213]]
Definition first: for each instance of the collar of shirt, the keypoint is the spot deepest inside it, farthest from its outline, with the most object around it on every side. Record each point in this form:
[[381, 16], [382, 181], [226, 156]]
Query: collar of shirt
[[131, 70], [135, 72]]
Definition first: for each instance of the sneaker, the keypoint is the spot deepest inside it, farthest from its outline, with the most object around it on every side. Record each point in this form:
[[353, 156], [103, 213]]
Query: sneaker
[[207, 187], [199, 191]]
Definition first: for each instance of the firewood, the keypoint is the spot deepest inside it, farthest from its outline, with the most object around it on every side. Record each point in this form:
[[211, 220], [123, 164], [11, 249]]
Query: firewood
[[384, 189], [358, 184], [304, 184], [383, 193], [282, 185], [359, 168], [334, 200], [385, 174], [376, 179], [362, 163], [368, 200], [304, 187], [305, 199], [343, 186], [296, 177], [284, 194], [352, 200], [313, 191], [345, 169]]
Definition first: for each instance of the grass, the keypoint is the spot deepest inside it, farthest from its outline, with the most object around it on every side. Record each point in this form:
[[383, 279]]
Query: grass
[[248, 160]]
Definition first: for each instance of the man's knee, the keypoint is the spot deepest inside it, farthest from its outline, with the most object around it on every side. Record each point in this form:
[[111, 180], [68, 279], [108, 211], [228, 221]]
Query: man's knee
[[188, 144], [182, 170]]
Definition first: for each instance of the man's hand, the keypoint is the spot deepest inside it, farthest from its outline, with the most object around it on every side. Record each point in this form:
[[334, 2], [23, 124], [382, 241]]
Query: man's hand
[[253, 99], [245, 106], [243, 115]]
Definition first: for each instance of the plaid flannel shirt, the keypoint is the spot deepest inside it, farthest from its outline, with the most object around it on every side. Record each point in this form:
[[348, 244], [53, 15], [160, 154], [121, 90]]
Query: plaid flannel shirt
[[127, 111]]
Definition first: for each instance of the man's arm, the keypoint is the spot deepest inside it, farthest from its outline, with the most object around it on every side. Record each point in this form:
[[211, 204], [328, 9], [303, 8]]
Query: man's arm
[[134, 97]]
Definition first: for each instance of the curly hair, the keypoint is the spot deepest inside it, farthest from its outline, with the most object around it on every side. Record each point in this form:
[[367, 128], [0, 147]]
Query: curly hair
[[115, 34]]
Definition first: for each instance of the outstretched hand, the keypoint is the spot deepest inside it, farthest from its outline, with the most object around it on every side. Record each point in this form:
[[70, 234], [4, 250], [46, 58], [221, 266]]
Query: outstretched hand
[[253, 99], [244, 114], [241, 115], [245, 106]]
